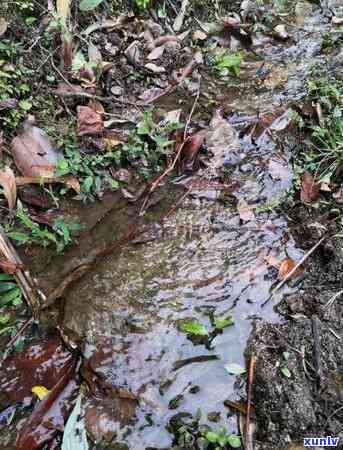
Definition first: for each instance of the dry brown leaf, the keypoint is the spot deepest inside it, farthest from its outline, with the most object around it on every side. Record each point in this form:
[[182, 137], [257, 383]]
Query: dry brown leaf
[[286, 266], [112, 141], [272, 261], [9, 266], [33, 152], [94, 54], [89, 122], [3, 26], [191, 149], [97, 106], [309, 188], [73, 183], [245, 211], [156, 53], [7, 181]]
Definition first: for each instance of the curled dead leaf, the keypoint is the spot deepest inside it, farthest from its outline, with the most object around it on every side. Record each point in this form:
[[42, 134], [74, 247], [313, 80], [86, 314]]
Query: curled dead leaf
[[10, 267], [191, 149], [89, 122], [7, 181], [245, 211], [309, 189], [286, 266], [33, 152]]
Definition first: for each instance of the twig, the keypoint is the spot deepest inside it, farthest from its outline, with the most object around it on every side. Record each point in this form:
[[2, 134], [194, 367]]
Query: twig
[[13, 340], [316, 347], [95, 97], [28, 287], [171, 167], [248, 438], [295, 268], [332, 299]]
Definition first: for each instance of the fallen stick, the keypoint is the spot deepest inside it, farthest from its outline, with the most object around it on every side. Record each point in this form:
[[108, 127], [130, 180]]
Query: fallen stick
[[28, 287], [248, 444], [171, 167], [295, 268], [316, 348]]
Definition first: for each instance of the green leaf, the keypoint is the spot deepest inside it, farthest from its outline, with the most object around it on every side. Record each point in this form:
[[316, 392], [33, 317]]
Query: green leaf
[[25, 105], [194, 327], [220, 324], [4, 318], [234, 441], [285, 372], [87, 184], [211, 436], [6, 277], [17, 236], [75, 436], [13, 296], [5, 287], [234, 369], [89, 5]]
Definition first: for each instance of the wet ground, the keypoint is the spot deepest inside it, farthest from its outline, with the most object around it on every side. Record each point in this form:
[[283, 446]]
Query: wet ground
[[206, 260]]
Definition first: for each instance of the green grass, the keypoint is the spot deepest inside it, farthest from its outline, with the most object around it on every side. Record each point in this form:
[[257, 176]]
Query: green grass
[[323, 154]]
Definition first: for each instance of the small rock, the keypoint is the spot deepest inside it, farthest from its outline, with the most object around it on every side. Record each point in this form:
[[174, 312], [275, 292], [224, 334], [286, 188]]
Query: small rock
[[122, 175], [199, 35], [281, 32], [154, 68], [116, 90]]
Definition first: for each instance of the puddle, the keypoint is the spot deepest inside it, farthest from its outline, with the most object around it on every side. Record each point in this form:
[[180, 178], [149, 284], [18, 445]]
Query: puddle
[[204, 260]]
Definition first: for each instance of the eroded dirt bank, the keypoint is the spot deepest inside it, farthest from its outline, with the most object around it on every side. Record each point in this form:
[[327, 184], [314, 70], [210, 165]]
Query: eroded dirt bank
[[157, 308]]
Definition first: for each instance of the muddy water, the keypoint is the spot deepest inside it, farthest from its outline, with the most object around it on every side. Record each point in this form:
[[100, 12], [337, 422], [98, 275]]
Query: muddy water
[[205, 261]]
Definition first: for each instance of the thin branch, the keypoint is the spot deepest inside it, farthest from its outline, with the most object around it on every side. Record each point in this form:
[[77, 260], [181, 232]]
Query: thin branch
[[295, 268], [248, 438]]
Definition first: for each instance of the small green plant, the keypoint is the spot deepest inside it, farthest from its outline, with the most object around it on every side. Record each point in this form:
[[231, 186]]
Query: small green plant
[[10, 296], [61, 237], [225, 62], [189, 434], [221, 439], [149, 145], [324, 147], [142, 4]]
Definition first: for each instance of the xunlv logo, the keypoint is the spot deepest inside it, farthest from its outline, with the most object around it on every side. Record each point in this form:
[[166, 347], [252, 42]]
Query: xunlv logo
[[321, 441]]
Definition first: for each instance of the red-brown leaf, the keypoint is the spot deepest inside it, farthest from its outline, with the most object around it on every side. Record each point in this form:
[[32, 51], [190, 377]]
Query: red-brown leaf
[[191, 148], [10, 267], [309, 189], [50, 414], [7, 181], [89, 122]]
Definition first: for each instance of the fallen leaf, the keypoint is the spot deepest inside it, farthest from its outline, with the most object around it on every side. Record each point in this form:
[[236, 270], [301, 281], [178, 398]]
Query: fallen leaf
[[68, 87], [40, 391], [193, 327], [33, 152], [49, 415], [3, 26], [89, 122], [309, 189], [89, 5], [7, 181], [191, 149], [154, 68], [134, 54], [33, 195], [245, 211], [9, 266], [73, 183], [272, 261], [156, 53], [285, 372], [75, 435], [106, 23], [94, 54], [286, 266], [122, 175], [199, 35], [41, 364], [96, 106], [43, 217], [234, 369]]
